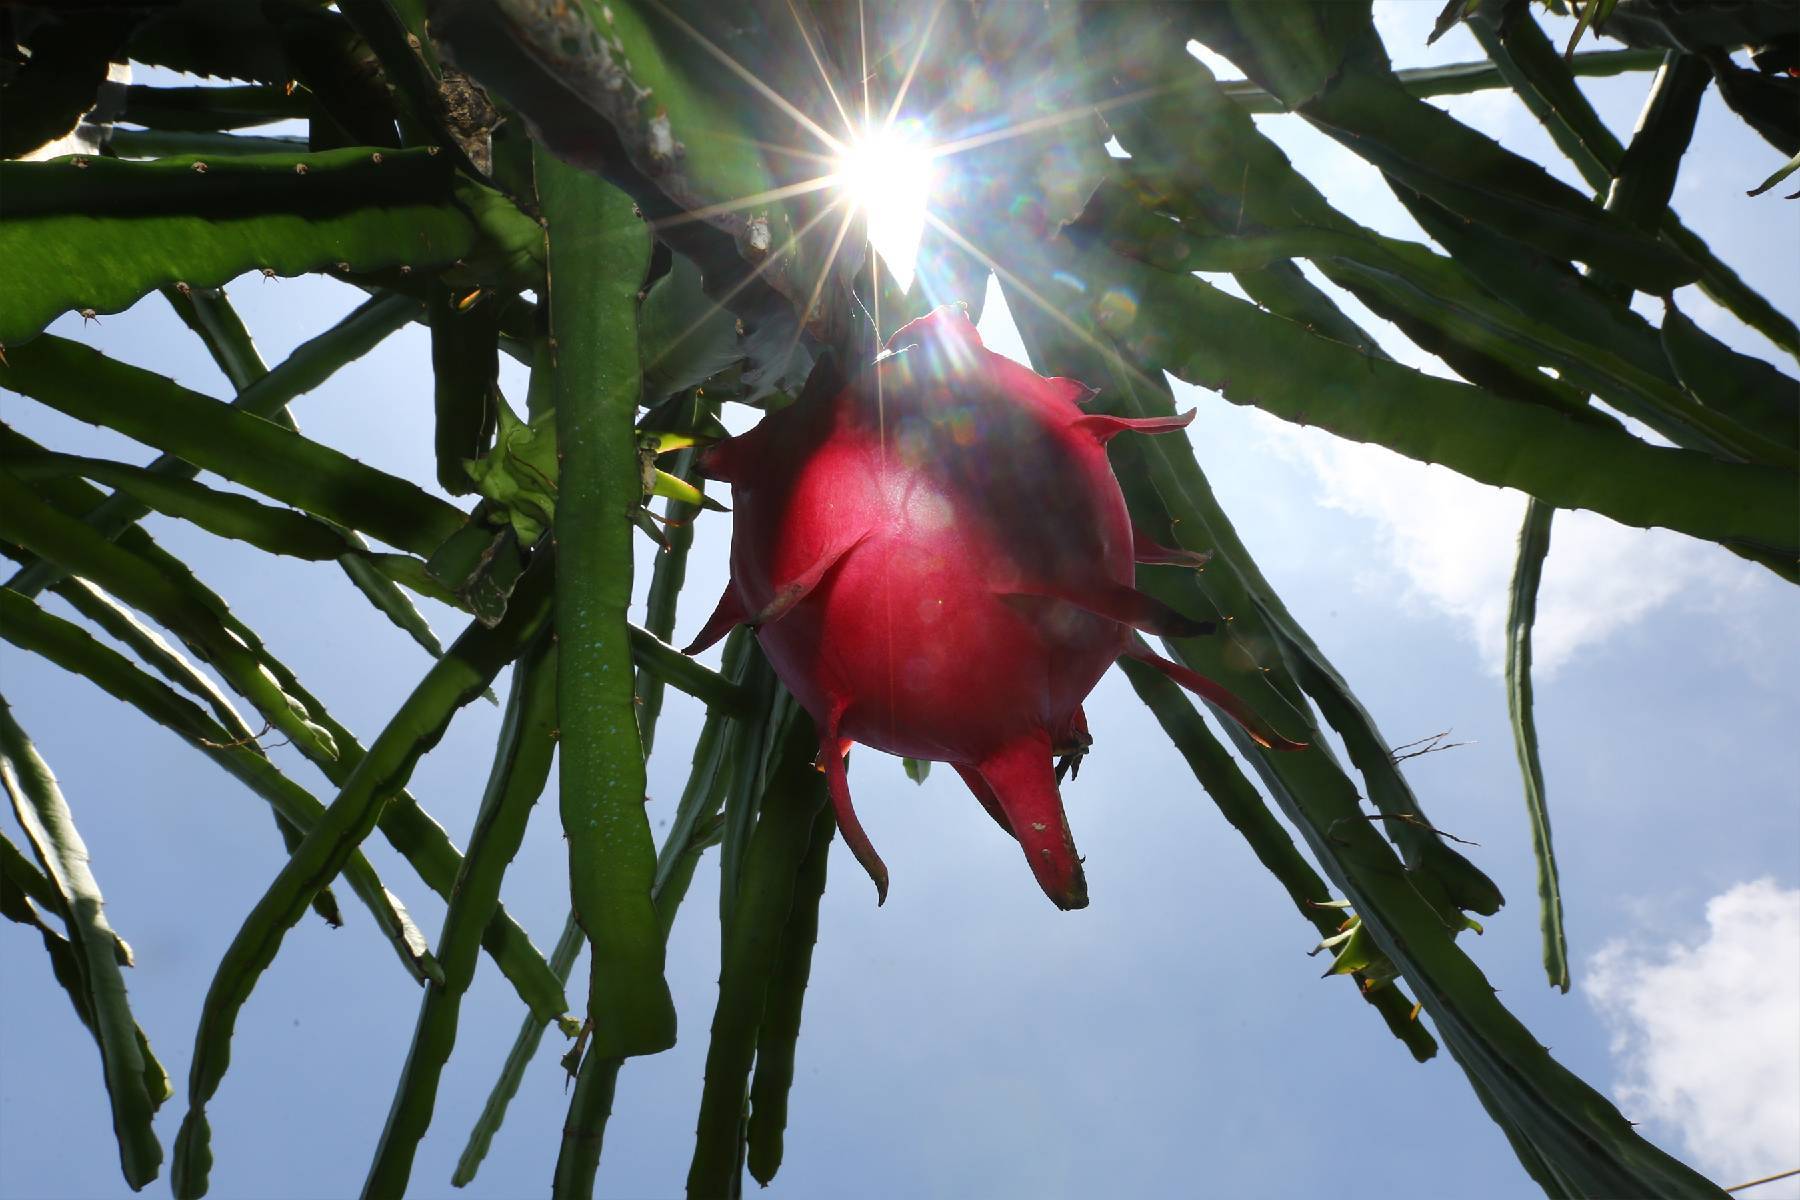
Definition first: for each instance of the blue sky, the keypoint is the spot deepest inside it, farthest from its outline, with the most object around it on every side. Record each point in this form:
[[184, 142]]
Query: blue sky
[[969, 1039]]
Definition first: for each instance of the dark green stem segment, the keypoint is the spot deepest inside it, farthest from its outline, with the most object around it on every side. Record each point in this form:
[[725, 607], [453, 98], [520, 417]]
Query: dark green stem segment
[[461, 675], [590, 1107], [202, 109], [779, 1036], [694, 829], [584, 1129], [599, 252], [86, 385], [1519, 48], [152, 143], [465, 366], [231, 744], [1458, 79], [140, 572], [216, 323], [752, 943], [1534, 545], [525, 1044], [521, 767], [20, 884], [659, 660], [44, 816], [310, 364], [1241, 806], [1643, 180]]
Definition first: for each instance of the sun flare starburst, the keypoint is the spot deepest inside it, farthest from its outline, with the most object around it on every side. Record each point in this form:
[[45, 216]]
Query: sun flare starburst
[[901, 175], [887, 175]]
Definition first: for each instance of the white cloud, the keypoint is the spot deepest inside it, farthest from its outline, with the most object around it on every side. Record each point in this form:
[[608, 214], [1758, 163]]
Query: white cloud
[[1452, 542], [1708, 1034]]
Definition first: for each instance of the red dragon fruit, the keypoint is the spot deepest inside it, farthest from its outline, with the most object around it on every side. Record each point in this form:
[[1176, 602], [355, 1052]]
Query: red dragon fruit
[[938, 563]]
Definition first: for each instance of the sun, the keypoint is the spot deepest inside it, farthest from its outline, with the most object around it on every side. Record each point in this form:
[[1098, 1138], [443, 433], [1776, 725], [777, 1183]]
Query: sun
[[887, 174]]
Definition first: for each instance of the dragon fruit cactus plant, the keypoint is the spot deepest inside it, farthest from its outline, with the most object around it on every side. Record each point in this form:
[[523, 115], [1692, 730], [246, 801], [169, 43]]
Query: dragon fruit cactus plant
[[938, 563]]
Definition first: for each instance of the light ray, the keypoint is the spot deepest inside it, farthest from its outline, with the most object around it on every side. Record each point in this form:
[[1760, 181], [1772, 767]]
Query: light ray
[[862, 37], [1055, 313], [750, 77], [1035, 124], [875, 302], [778, 148], [913, 68], [818, 62], [815, 184], [824, 273], [887, 562], [761, 269]]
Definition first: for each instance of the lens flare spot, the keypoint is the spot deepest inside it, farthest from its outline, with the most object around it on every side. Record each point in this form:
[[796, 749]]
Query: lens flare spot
[[1117, 309], [928, 512], [962, 427]]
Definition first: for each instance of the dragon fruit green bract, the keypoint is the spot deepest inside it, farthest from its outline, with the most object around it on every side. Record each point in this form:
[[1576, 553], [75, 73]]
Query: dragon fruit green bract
[[938, 563]]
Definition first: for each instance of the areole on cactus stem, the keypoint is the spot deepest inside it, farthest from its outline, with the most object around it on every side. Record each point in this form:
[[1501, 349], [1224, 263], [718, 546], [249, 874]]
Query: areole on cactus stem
[[938, 562]]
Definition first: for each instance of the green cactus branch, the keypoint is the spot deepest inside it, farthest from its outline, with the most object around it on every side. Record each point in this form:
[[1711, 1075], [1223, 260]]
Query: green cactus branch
[[231, 745], [599, 251], [462, 674], [1459, 79], [44, 815], [267, 396], [1519, 48], [752, 951], [651, 205], [521, 768], [212, 435], [94, 234]]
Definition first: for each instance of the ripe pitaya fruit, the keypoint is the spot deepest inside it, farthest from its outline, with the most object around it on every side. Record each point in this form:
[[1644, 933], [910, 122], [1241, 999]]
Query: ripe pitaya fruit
[[938, 563]]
